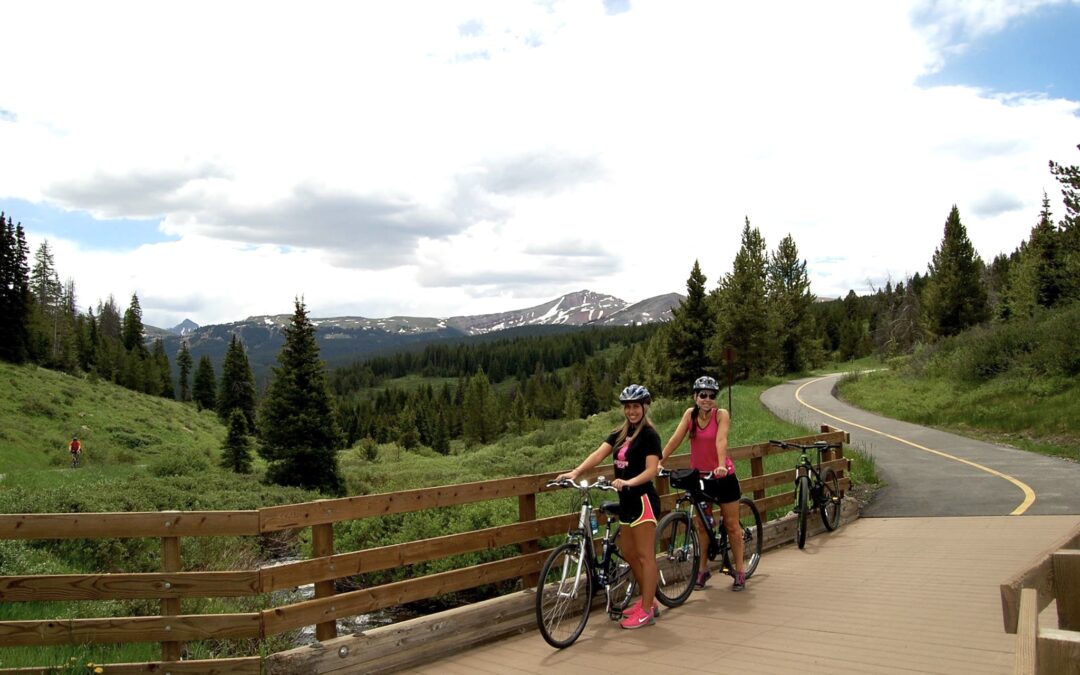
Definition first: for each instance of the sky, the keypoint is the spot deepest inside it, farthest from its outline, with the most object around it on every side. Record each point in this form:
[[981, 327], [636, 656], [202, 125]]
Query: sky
[[428, 158]]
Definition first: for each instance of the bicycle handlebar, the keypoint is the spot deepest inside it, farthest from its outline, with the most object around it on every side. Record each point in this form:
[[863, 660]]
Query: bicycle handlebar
[[601, 483], [816, 445], [666, 473]]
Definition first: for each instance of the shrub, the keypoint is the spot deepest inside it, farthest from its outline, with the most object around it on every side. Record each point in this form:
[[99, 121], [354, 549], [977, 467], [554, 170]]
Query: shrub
[[179, 464]]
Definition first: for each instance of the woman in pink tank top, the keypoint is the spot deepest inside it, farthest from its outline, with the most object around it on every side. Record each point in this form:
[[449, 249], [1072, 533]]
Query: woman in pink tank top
[[707, 426]]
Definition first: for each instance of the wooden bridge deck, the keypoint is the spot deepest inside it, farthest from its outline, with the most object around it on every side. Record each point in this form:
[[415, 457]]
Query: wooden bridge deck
[[890, 595]]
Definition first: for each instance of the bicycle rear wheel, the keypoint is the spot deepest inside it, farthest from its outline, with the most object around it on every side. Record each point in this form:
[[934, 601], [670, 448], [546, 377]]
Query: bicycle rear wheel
[[564, 594], [802, 508], [751, 528], [621, 586], [677, 556], [830, 499]]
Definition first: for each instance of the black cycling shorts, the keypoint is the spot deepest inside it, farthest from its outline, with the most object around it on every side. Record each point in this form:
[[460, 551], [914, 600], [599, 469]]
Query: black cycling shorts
[[637, 509], [723, 490]]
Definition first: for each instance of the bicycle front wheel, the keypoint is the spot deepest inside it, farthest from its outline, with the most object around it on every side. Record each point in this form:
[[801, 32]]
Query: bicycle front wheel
[[751, 527], [802, 508], [830, 499], [564, 594], [677, 557]]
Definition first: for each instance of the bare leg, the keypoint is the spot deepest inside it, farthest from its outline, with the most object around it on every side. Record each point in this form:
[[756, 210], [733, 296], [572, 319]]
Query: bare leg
[[730, 511], [703, 544], [639, 550]]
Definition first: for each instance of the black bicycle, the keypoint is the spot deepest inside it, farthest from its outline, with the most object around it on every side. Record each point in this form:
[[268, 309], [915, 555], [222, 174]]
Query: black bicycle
[[573, 574], [815, 490], [677, 536], [75, 459]]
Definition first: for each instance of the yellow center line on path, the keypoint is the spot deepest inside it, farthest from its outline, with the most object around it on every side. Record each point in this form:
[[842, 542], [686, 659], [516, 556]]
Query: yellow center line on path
[[1029, 494]]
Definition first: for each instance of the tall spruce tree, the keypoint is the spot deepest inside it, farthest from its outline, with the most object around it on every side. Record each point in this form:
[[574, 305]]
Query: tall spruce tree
[[236, 389], [236, 452], [1038, 279], [1069, 178], [689, 333], [163, 370], [15, 298], [789, 301], [955, 298], [298, 431], [183, 364], [204, 387], [480, 410], [742, 315], [132, 330]]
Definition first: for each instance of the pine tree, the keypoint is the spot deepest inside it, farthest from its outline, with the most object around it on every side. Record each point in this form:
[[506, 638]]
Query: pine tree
[[789, 301], [204, 387], [690, 331], [236, 390], [1038, 279], [47, 306], [480, 410], [131, 334], [15, 298], [163, 370], [741, 309], [298, 431], [1069, 226], [184, 363], [955, 297], [236, 453]]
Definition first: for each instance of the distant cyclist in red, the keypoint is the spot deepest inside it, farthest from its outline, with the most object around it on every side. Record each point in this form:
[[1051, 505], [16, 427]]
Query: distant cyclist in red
[[75, 447]]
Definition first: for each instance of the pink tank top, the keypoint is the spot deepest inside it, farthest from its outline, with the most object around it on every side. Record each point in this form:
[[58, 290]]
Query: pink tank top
[[703, 447]]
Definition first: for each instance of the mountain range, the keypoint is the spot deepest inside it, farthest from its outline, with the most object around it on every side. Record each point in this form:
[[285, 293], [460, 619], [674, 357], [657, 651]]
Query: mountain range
[[346, 339]]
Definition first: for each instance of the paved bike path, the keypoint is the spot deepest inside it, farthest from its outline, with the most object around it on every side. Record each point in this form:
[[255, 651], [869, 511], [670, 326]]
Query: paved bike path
[[934, 473]]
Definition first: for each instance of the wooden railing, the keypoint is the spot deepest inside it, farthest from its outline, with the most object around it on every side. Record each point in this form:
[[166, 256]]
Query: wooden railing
[[1054, 576], [172, 585]]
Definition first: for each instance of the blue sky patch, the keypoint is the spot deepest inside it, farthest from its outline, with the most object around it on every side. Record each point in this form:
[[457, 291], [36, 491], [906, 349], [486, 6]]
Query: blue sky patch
[[120, 234], [1036, 53]]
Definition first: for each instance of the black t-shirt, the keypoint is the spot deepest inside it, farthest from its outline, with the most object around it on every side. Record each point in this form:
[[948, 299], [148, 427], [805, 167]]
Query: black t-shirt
[[630, 462]]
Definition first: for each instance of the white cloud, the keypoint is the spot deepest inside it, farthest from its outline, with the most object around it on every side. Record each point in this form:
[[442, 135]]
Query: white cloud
[[448, 158]]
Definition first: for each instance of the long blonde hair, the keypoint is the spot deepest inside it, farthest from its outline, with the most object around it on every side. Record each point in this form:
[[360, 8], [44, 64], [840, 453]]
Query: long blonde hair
[[624, 428]]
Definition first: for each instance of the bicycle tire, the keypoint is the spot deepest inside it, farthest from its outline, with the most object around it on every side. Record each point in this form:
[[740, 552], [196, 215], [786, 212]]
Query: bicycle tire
[[802, 496], [830, 499], [751, 528], [677, 557], [564, 594]]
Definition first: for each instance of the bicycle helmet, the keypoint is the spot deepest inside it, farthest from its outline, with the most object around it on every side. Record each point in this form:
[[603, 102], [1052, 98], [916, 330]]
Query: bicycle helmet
[[705, 382], [635, 393]]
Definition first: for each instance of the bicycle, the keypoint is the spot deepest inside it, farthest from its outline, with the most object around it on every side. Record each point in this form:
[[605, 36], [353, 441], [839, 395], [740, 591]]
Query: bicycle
[[75, 459], [573, 574], [815, 490], [678, 538]]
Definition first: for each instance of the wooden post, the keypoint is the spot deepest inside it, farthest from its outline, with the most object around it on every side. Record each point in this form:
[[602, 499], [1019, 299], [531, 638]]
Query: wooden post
[[527, 512], [322, 545], [1067, 588], [170, 556], [757, 468], [1027, 634]]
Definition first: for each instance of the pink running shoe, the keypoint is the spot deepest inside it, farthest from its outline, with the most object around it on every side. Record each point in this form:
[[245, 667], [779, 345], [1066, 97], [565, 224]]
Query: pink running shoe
[[637, 605], [638, 619]]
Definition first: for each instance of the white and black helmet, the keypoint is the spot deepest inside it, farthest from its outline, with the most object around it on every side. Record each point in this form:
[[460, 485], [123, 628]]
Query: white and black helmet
[[635, 393], [705, 382]]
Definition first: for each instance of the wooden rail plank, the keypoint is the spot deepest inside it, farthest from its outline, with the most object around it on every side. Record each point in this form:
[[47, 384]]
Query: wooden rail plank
[[128, 525], [1067, 588], [1027, 634], [1059, 652], [247, 665], [138, 586], [397, 555], [311, 612], [183, 628], [1038, 574]]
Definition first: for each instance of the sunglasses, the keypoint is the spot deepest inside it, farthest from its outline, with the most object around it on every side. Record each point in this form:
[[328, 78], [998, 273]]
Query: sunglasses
[[707, 394]]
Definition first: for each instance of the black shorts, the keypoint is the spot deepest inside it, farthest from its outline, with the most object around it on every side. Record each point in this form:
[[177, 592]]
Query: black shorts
[[723, 490], [637, 509]]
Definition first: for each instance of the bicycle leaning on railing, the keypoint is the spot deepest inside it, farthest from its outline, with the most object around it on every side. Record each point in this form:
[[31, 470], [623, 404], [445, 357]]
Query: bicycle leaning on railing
[[572, 573], [677, 538], [815, 490]]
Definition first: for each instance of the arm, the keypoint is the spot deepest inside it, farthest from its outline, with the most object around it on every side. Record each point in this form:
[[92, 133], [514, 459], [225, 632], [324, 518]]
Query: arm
[[723, 425], [652, 467], [677, 436], [591, 461]]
